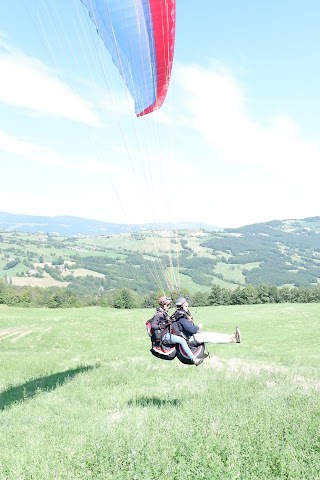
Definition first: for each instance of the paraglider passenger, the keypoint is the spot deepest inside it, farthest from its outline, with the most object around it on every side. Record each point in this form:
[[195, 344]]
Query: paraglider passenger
[[188, 329], [161, 323]]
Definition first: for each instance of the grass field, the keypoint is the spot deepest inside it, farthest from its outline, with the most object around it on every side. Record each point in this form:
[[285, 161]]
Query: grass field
[[45, 281], [191, 286], [234, 272], [81, 397]]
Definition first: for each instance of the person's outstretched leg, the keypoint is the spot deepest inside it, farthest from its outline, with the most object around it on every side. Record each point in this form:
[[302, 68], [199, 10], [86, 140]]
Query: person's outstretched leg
[[214, 337]]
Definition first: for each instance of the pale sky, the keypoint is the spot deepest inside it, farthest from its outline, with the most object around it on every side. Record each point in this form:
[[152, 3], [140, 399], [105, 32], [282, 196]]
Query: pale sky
[[236, 141]]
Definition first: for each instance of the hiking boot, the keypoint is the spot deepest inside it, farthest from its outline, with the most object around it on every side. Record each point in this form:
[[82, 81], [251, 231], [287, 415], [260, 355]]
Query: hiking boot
[[238, 335], [197, 361]]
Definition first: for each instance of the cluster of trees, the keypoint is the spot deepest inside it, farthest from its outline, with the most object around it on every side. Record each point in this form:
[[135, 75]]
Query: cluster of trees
[[200, 269], [135, 272], [58, 261], [37, 297], [286, 274], [11, 264], [256, 294], [53, 297]]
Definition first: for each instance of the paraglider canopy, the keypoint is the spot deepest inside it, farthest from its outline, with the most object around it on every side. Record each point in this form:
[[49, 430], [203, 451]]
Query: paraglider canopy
[[139, 35]]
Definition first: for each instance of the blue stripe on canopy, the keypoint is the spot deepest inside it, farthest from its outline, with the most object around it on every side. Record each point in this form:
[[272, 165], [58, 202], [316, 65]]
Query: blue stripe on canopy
[[126, 29]]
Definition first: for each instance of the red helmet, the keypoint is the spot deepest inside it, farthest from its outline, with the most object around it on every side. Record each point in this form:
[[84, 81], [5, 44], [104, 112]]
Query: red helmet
[[164, 301]]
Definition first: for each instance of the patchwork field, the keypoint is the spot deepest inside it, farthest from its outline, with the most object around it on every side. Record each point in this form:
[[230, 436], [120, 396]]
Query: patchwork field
[[81, 397], [249, 256], [44, 282]]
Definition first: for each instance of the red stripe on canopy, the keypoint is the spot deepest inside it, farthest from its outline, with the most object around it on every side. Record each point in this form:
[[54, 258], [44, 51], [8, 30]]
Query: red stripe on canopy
[[163, 13]]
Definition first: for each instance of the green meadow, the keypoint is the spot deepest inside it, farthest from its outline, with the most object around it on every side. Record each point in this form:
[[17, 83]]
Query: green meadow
[[81, 397]]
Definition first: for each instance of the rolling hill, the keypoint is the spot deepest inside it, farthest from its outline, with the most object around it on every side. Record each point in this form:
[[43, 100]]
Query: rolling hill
[[279, 253], [77, 226]]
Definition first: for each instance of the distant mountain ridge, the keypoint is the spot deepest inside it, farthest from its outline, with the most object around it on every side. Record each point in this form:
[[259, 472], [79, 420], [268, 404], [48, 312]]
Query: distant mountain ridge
[[308, 225], [69, 226], [77, 226]]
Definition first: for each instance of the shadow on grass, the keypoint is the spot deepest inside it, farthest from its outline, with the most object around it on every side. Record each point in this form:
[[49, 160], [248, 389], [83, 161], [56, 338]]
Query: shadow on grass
[[29, 389], [154, 402]]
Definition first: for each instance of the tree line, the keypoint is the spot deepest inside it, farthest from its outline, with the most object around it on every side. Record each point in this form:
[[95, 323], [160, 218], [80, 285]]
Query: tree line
[[126, 298]]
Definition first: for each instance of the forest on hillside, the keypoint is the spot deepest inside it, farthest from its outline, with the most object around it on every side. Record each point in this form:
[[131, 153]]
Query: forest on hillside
[[274, 254]]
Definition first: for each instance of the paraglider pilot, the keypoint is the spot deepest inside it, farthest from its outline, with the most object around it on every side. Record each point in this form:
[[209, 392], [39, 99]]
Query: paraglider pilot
[[161, 326], [188, 329]]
